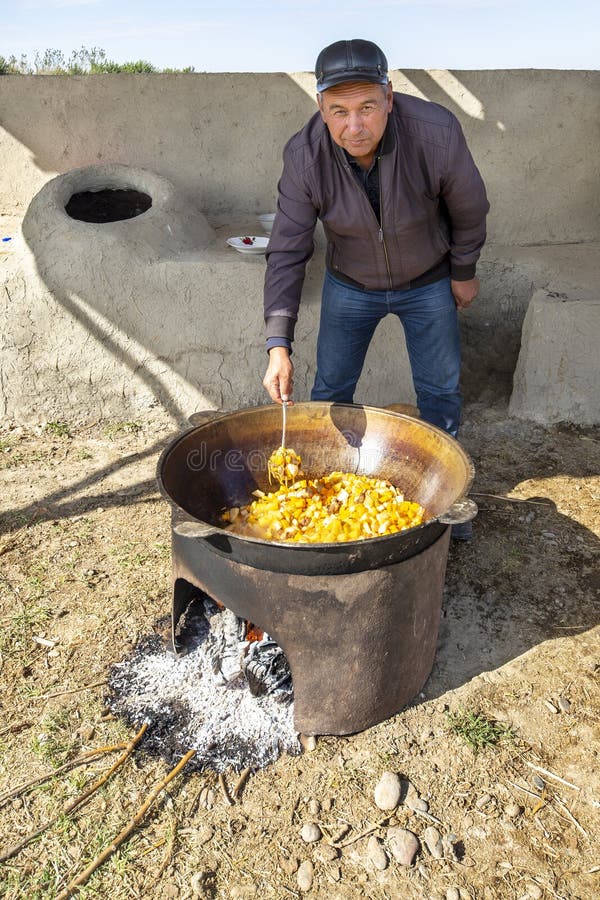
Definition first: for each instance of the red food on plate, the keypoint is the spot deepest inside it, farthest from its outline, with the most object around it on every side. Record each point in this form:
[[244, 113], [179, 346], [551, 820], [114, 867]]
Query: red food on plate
[[247, 240]]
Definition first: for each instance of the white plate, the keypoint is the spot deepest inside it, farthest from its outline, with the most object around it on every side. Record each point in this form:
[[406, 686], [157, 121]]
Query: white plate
[[258, 245]]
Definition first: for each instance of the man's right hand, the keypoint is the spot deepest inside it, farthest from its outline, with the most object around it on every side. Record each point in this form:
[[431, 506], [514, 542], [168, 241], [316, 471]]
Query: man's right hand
[[279, 377]]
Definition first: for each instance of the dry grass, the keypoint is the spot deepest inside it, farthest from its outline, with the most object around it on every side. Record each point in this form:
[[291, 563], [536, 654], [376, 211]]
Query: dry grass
[[85, 566]]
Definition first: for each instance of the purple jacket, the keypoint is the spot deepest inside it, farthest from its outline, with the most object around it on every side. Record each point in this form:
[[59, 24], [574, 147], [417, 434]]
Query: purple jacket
[[433, 205]]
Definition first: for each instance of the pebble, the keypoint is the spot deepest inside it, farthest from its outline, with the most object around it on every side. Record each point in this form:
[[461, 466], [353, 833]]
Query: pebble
[[482, 801], [564, 704], [376, 854], [206, 799], [289, 866], [314, 807], [538, 783], [512, 810], [336, 873], [202, 835], [328, 853], [411, 798], [305, 875], [327, 804], [403, 845], [308, 742], [241, 891], [387, 791], [534, 891], [433, 842], [310, 833], [170, 890], [452, 894], [449, 842]]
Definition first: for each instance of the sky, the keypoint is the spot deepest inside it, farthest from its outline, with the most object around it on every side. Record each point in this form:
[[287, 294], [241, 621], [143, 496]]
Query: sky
[[286, 35]]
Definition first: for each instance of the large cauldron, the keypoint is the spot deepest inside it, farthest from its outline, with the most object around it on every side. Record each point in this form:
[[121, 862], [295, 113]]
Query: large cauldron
[[218, 464]]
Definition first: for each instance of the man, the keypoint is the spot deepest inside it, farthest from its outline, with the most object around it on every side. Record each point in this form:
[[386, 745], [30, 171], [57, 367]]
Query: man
[[403, 207]]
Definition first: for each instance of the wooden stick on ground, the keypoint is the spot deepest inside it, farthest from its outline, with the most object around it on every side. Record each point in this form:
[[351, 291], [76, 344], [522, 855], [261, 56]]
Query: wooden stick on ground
[[86, 757], [124, 834], [239, 785], [73, 804], [84, 687], [225, 790]]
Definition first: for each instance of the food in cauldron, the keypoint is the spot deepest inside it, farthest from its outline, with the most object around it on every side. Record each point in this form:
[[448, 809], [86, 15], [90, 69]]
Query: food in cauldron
[[337, 507]]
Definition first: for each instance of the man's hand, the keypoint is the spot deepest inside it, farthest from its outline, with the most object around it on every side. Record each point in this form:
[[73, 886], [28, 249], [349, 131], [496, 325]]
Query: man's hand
[[279, 378], [464, 292]]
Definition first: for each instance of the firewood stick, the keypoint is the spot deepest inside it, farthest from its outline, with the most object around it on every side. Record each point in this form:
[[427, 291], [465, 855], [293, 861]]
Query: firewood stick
[[76, 690], [86, 757], [73, 804], [124, 834], [225, 790], [381, 824], [239, 785]]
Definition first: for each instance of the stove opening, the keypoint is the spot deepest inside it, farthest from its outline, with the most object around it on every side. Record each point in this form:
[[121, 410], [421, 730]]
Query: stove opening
[[108, 205]]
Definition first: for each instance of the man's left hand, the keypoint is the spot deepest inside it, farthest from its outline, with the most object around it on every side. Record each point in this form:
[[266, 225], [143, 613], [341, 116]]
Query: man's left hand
[[464, 292]]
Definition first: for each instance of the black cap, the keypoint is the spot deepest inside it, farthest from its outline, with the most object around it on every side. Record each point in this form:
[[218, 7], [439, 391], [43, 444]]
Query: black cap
[[354, 60]]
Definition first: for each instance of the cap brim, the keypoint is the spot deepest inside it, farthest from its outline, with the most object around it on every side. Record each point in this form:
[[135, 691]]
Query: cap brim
[[350, 77]]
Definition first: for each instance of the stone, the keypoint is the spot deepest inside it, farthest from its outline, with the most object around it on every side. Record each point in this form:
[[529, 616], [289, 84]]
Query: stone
[[433, 841], [387, 791], [482, 801], [417, 804], [538, 783], [242, 891], [308, 742], [327, 853], [305, 876], [376, 854], [556, 376], [452, 894], [314, 807], [564, 705], [512, 810], [408, 793], [403, 845], [202, 835], [449, 847], [310, 833], [534, 891], [289, 865]]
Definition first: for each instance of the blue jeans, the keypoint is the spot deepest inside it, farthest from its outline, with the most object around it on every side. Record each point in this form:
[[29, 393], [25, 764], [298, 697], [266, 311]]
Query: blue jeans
[[428, 315]]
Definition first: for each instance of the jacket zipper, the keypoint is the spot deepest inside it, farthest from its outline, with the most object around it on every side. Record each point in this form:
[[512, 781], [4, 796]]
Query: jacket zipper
[[381, 234]]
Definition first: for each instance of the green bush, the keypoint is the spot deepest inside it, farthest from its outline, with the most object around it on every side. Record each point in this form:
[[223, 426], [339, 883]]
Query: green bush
[[80, 62]]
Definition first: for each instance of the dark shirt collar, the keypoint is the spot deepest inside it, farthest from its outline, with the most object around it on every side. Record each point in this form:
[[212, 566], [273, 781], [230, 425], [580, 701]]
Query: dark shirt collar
[[386, 144]]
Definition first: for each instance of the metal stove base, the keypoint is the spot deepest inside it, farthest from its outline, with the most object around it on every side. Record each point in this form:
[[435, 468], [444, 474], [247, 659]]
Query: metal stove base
[[360, 646]]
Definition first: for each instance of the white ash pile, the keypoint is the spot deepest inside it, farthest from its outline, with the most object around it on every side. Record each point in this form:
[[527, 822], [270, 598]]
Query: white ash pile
[[229, 699]]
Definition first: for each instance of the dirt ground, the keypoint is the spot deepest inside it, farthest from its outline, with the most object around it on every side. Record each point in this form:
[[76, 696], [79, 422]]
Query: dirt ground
[[85, 573]]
